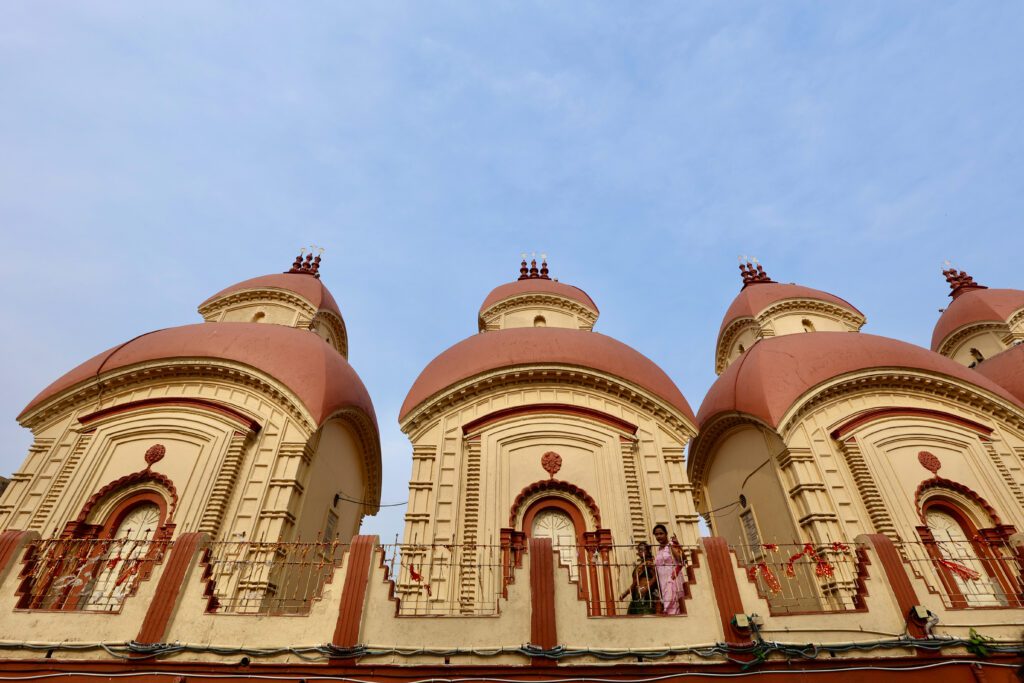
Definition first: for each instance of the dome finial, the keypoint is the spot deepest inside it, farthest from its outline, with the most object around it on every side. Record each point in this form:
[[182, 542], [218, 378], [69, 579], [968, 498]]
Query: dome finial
[[523, 272], [752, 272], [308, 265], [544, 267], [534, 273], [959, 281]]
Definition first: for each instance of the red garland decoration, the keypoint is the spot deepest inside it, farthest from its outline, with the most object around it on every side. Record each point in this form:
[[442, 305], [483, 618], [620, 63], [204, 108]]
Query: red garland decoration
[[822, 567], [965, 573], [418, 578], [767, 574]]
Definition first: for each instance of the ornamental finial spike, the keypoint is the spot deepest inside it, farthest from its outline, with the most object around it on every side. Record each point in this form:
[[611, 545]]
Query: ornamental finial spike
[[959, 281], [752, 272]]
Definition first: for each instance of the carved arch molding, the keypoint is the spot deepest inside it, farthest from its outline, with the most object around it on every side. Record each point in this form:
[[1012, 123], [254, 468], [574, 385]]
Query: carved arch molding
[[124, 493]]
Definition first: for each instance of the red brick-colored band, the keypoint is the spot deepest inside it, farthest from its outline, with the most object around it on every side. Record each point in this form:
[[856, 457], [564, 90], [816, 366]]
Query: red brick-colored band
[[542, 595], [896, 573], [200, 403], [11, 541], [172, 582], [727, 591], [353, 594]]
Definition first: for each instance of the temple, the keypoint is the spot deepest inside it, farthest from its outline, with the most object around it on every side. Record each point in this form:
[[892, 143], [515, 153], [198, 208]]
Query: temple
[[839, 504]]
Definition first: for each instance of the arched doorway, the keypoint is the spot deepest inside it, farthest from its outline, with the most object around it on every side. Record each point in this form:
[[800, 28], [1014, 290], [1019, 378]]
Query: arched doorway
[[562, 522], [130, 532], [968, 569]]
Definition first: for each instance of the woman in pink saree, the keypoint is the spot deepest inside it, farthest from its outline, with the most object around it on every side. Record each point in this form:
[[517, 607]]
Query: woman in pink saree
[[669, 564]]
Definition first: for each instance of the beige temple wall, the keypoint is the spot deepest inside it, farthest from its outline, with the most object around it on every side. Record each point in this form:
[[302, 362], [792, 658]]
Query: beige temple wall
[[746, 339], [528, 317], [231, 483], [524, 311], [379, 627], [876, 464], [463, 487], [745, 464], [989, 340], [336, 468], [866, 481]]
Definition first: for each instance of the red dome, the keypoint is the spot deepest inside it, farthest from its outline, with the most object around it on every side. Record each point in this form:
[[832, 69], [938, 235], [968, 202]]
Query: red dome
[[320, 377], [542, 345], [756, 297], [976, 306], [766, 380], [1006, 370], [306, 286], [538, 286]]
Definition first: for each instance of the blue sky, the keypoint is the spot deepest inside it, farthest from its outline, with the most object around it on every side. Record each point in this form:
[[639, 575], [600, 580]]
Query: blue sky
[[152, 153]]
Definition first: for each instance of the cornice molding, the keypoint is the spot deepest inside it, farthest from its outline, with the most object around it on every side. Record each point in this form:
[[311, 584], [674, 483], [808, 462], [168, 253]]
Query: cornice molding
[[551, 374], [728, 336], [214, 307], [698, 461], [900, 379], [369, 440], [961, 334], [535, 299], [123, 379], [337, 327], [761, 320]]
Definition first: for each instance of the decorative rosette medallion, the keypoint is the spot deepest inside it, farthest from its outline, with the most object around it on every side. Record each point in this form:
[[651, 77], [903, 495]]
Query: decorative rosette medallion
[[551, 462], [155, 454], [930, 462]]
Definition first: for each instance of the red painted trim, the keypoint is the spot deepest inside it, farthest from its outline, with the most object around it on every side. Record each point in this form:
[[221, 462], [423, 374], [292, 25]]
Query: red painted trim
[[879, 413], [11, 541], [555, 485], [146, 475], [940, 483], [579, 526], [558, 408], [896, 669], [125, 506], [200, 403], [899, 581], [353, 594], [727, 591], [993, 563], [542, 595], [186, 551]]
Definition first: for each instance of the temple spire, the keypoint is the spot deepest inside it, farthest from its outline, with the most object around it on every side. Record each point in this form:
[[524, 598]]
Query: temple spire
[[959, 281], [752, 272], [309, 265], [533, 272]]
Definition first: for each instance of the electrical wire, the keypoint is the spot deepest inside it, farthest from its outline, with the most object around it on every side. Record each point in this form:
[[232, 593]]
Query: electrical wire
[[493, 679], [761, 649], [366, 502]]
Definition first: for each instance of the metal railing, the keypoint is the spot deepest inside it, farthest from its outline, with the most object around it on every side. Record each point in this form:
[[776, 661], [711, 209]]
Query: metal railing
[[450, 580], [806, 577], [85, 574], [623, 580], [968, 574], [268, 578]]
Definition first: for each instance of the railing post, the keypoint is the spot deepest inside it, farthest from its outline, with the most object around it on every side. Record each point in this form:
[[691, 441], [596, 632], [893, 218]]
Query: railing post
[[12, 544], [353, 594], [185, 552], [727, 591], [899, 580], [542, 596]]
